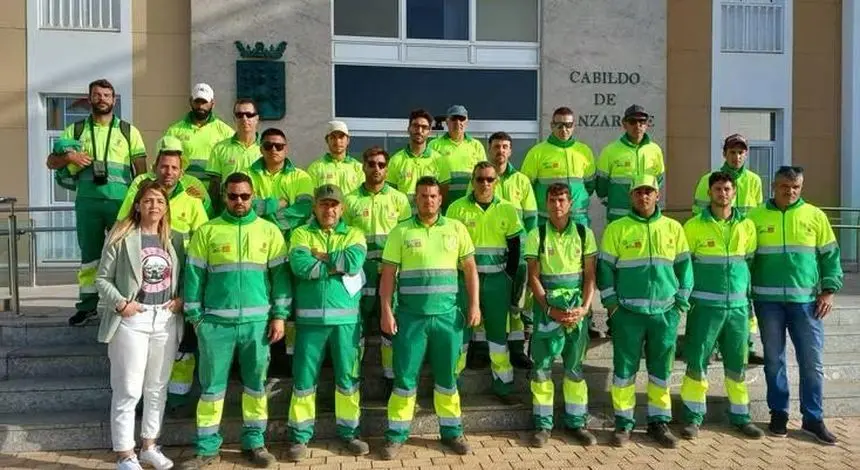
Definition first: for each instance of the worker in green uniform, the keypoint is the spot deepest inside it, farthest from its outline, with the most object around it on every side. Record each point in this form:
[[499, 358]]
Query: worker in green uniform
[[236, 153], [199, 131], [459, 154], [327, 257], [336, 166], [748, 195], [496, 231], [417, 159], [424, 253], [237, 296], [722, 243], [561, 257], [376, 208], [111, 154], [645, 277]]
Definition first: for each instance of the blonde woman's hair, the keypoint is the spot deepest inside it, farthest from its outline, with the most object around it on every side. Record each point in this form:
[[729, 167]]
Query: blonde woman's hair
[[132, 220]]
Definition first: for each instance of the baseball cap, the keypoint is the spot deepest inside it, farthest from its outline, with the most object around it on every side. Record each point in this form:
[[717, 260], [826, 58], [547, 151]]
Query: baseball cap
[[636, 110], [336, 126], [202, 91], [168, 143], [328, 191], [735, 140], [645, 181], [457, 110]]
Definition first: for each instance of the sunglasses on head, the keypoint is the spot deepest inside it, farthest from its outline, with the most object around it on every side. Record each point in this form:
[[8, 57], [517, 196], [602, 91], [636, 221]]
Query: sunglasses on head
[[379, 165], [246, 115], [563, 125], [485, 179], [236, 197], [273, 145]]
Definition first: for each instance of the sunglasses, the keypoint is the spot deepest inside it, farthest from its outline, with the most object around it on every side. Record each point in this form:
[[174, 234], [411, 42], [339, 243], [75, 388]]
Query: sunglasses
[[485, 179], [563, 125], [246, 115], [235, 197], [273, 145], [457, 118], [379, 165]]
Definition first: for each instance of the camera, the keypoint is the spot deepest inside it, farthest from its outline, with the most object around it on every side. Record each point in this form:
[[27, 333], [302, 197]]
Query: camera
[[100, 172]]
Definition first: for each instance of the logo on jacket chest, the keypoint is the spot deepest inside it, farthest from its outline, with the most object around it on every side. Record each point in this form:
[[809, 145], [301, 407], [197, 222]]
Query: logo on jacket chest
[[414, 243]]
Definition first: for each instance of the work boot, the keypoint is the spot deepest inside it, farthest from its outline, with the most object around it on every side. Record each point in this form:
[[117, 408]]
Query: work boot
[[458, 445], [478, 356], [660, 432], [817, 430], [390, 450], [778, 426], [260, 457], [356, 446], [620, 438], [540, 438], [296, 451], [199, 461], [83, 318], [750, 430], [519, 358], [690, 431], [582, 435]]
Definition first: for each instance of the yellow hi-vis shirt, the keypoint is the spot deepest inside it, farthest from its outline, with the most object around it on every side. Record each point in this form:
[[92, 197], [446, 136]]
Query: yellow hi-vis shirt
[[405, 169], [346, 174], [490, 229], [514, 186], [457, 162], [187, 213], [570, 163], [232, 156], [198, 141], [748, 191], [376, 214], [619, 164]]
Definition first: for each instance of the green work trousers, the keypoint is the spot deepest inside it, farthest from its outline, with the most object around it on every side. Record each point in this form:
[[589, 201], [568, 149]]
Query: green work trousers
[[370, 306], [93, 219], [571, 344], [630, 332], [217, 342], [440, 336], [343, 343], [729, 328]]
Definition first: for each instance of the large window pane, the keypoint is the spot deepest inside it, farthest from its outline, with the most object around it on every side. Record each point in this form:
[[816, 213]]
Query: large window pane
[[391, 92], [507, 20], [437, 19], [376, 18]]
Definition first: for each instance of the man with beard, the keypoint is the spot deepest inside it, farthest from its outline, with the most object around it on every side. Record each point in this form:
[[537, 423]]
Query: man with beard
[[376, 208], [236, 153], [337, 167], [459, 153], [417, 159], [199, 131], [112, 153]]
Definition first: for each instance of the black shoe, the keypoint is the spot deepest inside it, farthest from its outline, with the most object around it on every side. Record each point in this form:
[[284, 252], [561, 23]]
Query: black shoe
[[755, 359], [660, 432], [296, 452], [478, 356], [83, 318], [508, 400], [690, 431], [390, 450], [750, 430], [260, 457], [540, 438], [458, 445], [356, 446], [778, 426], [199, 461], [817, 430], [620, 438], [582, 435]]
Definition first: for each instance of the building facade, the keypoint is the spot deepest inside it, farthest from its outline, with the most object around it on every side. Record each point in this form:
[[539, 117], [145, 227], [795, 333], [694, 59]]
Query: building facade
[[786, 73]]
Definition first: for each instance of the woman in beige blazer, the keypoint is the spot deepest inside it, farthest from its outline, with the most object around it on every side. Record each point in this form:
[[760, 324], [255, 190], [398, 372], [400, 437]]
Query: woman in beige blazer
[[139, 286]]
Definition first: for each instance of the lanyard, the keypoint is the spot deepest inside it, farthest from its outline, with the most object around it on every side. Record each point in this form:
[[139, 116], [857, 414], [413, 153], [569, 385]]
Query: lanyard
[[107, 142]]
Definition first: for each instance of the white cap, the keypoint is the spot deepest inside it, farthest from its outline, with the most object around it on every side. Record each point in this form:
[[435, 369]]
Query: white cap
[[202, 91], [336, 126]]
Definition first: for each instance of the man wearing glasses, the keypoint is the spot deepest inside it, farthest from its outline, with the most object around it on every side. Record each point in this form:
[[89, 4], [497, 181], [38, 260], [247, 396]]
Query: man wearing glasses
[[460, 152], [337, 167], [236, 153], [632, 155], [795, 275], [376, 208], [237, 296], [417, 159]]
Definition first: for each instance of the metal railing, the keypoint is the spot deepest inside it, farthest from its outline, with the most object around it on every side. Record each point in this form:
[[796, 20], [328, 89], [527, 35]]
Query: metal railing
[[752, 26]]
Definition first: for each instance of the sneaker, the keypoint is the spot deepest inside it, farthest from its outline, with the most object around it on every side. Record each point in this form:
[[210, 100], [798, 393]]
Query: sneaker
[[296, 451], [582, 435], [391, 449], [817, 430], [154, 458], [83, 318], [199, 461], [778, 424], [755, 359], [620, 438], [660, 432], [750, 430], [260, 457], [128, 463], [356, 446], [540, 438], [690, 431], [458, 445]]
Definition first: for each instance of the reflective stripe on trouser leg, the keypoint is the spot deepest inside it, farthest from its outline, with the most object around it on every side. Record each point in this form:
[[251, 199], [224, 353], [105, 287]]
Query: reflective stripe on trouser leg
[[387, 358], [503, 371], [543, 350], [495, 302], [302, 414], [209, 411], [739, 398], [446, 401], [409, 345], [255, 410], [694, 392], [659, 358], [628, 336], [344, 346], [445, 335], [704, 324], [311, 341], [734, 351], [182, 374], [216, 343], [253, 351], [516, 327]]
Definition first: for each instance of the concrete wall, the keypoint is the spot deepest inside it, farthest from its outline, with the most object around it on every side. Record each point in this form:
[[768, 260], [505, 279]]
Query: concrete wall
[[13, 99], [305, 25]]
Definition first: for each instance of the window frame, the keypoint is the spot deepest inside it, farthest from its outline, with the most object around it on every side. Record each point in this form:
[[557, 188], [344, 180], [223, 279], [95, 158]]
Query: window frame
[[95, 23]]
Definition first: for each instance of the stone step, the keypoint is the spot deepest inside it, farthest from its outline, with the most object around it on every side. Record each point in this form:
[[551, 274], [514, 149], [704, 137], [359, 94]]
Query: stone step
[[29, 432]]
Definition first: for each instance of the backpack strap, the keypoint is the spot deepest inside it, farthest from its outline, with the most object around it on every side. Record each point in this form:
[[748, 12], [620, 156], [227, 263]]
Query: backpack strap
[[125, 130], [541, 238], [78, 129], [580, 229]]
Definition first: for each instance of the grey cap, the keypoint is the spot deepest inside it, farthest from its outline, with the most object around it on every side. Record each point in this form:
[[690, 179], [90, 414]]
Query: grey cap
[[636, 110], [328, 191], [735, 140], [457, 110]]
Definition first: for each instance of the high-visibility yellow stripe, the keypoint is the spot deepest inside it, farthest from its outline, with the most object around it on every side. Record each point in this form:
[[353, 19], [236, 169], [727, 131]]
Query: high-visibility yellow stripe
[[446, 402], [659, 400], [209, 411], [347, 410], [255, 408], [694, 393], [575, 396], [623, 396], [303, 408], [738, 394], [182, 374], [401, 408], [542, 397]]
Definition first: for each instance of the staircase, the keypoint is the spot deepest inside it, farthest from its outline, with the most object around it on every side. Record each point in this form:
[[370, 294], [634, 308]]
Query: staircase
[[55, 392]]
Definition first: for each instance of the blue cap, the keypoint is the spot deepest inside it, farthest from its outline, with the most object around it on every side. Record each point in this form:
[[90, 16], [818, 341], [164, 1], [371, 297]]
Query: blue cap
[[457, 110]]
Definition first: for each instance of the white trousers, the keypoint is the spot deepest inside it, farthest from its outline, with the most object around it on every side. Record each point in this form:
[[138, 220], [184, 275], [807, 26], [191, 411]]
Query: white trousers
[[141, 355]]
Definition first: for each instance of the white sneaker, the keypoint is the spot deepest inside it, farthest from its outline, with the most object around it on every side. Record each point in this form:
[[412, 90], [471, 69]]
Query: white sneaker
[[155, 458], [128, 463]]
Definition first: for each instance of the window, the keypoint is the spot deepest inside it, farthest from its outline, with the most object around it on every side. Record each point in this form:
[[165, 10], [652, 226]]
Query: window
[[85, 15], [379, 18], [753, 26], [437, 19], [506, 20], [759, 127]]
